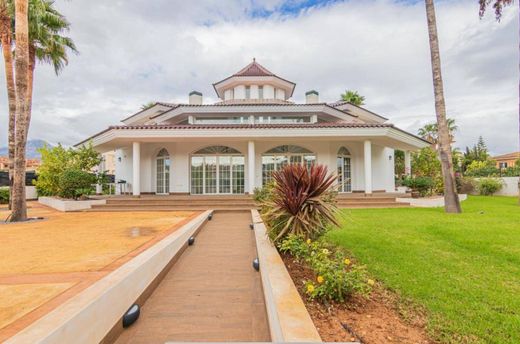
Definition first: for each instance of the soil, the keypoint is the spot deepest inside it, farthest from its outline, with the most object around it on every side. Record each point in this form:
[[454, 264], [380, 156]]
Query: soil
[[381, 318]]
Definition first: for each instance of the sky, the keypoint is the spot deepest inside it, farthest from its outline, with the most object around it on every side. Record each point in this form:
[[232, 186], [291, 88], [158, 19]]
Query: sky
[[132, 52]]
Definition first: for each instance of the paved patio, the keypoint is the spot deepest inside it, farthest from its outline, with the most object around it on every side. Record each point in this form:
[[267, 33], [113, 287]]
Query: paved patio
[[68, 252]]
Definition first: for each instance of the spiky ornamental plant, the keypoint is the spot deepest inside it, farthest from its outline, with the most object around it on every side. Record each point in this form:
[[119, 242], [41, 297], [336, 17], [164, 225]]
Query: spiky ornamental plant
[[302, 202]]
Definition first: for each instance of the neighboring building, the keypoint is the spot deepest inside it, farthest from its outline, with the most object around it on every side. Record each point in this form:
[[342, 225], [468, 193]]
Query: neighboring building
[[232, 146], [30, 164], [506, 160]]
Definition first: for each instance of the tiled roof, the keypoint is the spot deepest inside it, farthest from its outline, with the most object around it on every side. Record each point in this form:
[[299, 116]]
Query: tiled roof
[[256, 126], [254, 69], [288, 104], [515, 155]]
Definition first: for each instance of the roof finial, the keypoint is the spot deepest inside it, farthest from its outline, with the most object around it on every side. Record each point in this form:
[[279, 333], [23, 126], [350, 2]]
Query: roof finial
[[254, 59]]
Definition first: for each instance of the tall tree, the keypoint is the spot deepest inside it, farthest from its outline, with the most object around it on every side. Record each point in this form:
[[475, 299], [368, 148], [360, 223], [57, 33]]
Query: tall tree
[[353, 97], [19, 206], [499, 5], [451, 198], [430, 132], [6, 42], [46, 41], [147, 105]]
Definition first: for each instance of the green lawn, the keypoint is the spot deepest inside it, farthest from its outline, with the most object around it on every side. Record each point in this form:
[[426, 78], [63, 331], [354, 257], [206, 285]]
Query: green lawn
[[463, 268]]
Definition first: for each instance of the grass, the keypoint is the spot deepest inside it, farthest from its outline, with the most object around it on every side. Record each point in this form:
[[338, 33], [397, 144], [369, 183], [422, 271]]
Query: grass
[[464, 269]]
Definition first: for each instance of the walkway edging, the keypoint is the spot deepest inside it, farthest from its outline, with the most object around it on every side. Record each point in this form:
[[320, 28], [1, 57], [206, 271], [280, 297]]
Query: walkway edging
[[289, 320], [90, 315]]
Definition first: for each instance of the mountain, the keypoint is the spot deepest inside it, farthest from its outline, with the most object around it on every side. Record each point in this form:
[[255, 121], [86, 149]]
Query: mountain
[[32, 149]]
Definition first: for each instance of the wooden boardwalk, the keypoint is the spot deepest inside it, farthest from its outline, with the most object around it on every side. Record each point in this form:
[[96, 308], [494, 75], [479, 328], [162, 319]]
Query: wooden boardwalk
[[211, 294]]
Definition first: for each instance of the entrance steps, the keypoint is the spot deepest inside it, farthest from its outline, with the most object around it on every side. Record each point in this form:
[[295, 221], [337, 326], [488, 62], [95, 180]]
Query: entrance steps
[[231, 202]]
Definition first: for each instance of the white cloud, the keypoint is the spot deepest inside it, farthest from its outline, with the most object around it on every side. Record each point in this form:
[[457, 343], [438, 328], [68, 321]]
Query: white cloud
[[134, 51]]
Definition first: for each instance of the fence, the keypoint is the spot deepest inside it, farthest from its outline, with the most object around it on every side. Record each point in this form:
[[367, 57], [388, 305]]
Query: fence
[[29, 177]]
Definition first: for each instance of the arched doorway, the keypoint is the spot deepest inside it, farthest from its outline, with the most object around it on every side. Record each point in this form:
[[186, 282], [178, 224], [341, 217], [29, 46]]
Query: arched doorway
[[277, 157], [217, 170], [344, 168], [162, 174]]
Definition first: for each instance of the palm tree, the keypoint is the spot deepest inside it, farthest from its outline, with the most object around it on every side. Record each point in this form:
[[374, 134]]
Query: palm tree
[[353, 97], [430, 132], [451, 198], [499, 5], [47, 45], [148, 105], [19, 206], [6, 42]]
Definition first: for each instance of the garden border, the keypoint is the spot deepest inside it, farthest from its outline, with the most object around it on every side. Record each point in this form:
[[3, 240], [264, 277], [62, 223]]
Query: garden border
[[289, 320], [69, 205]]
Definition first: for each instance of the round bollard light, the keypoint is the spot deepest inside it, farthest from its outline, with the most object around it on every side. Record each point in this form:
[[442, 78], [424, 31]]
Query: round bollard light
[[191, 240], [131, 315], [210, 216], [251, 226], [256, 264]]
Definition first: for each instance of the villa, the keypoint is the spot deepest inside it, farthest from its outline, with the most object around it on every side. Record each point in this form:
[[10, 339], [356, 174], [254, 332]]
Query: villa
[[233, 146]]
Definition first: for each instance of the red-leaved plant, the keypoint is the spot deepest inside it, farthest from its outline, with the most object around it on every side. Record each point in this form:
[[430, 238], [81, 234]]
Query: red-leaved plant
[[301, 201]]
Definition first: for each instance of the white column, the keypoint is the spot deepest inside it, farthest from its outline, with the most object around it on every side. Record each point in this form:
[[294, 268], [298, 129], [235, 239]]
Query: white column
[[368, 166], [407, 163], [136, 168], [251, 166]]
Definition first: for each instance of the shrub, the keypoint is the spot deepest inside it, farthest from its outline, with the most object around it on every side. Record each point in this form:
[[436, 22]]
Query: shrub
[[482, 169], [4, 195], [302, 201], [423, 185], [465, 185], [75, 184], [336, 277], [488, 186], [57, 161]]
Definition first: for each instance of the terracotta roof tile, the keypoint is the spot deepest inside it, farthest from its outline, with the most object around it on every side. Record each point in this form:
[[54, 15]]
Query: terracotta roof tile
[[256, 126], [254, 69]]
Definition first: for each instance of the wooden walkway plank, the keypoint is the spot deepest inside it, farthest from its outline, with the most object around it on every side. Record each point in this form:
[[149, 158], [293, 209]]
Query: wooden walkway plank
[[211, 294]]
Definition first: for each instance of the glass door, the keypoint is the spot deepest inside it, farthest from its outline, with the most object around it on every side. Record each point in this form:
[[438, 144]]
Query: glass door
[[344, 174], [162, 175], [210, 174]]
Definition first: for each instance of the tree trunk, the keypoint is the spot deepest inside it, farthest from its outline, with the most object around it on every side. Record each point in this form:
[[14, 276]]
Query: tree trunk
[[451, 198], [5, 27], [30, 75], [23, 116]]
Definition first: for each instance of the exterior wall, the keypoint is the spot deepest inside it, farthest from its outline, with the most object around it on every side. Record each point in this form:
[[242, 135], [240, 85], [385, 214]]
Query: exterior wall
[[228, 94], [240, 92], [326, 153], [280, 94], [254, 92], [268, 92]]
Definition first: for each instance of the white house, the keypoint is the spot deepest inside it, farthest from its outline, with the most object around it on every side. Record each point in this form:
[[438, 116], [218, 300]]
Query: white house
[[232, 146]]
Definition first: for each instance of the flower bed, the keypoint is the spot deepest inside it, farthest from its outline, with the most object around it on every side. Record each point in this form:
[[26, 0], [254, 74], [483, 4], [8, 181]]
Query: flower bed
[[367, 320]]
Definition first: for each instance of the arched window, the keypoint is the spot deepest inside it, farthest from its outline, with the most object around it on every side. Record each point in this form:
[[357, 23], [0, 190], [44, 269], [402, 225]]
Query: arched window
[[163, 153], [162, 164], [217, 170], [343, 151], [288, 149], [276, 158], [344, 167], [217, 150]]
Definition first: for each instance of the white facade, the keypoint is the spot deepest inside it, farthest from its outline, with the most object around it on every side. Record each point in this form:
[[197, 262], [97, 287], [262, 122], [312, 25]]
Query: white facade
[[232, 146]]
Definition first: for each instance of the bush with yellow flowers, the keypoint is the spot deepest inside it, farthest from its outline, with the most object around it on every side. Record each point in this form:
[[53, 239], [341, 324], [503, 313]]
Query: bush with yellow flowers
[[336, 277]]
